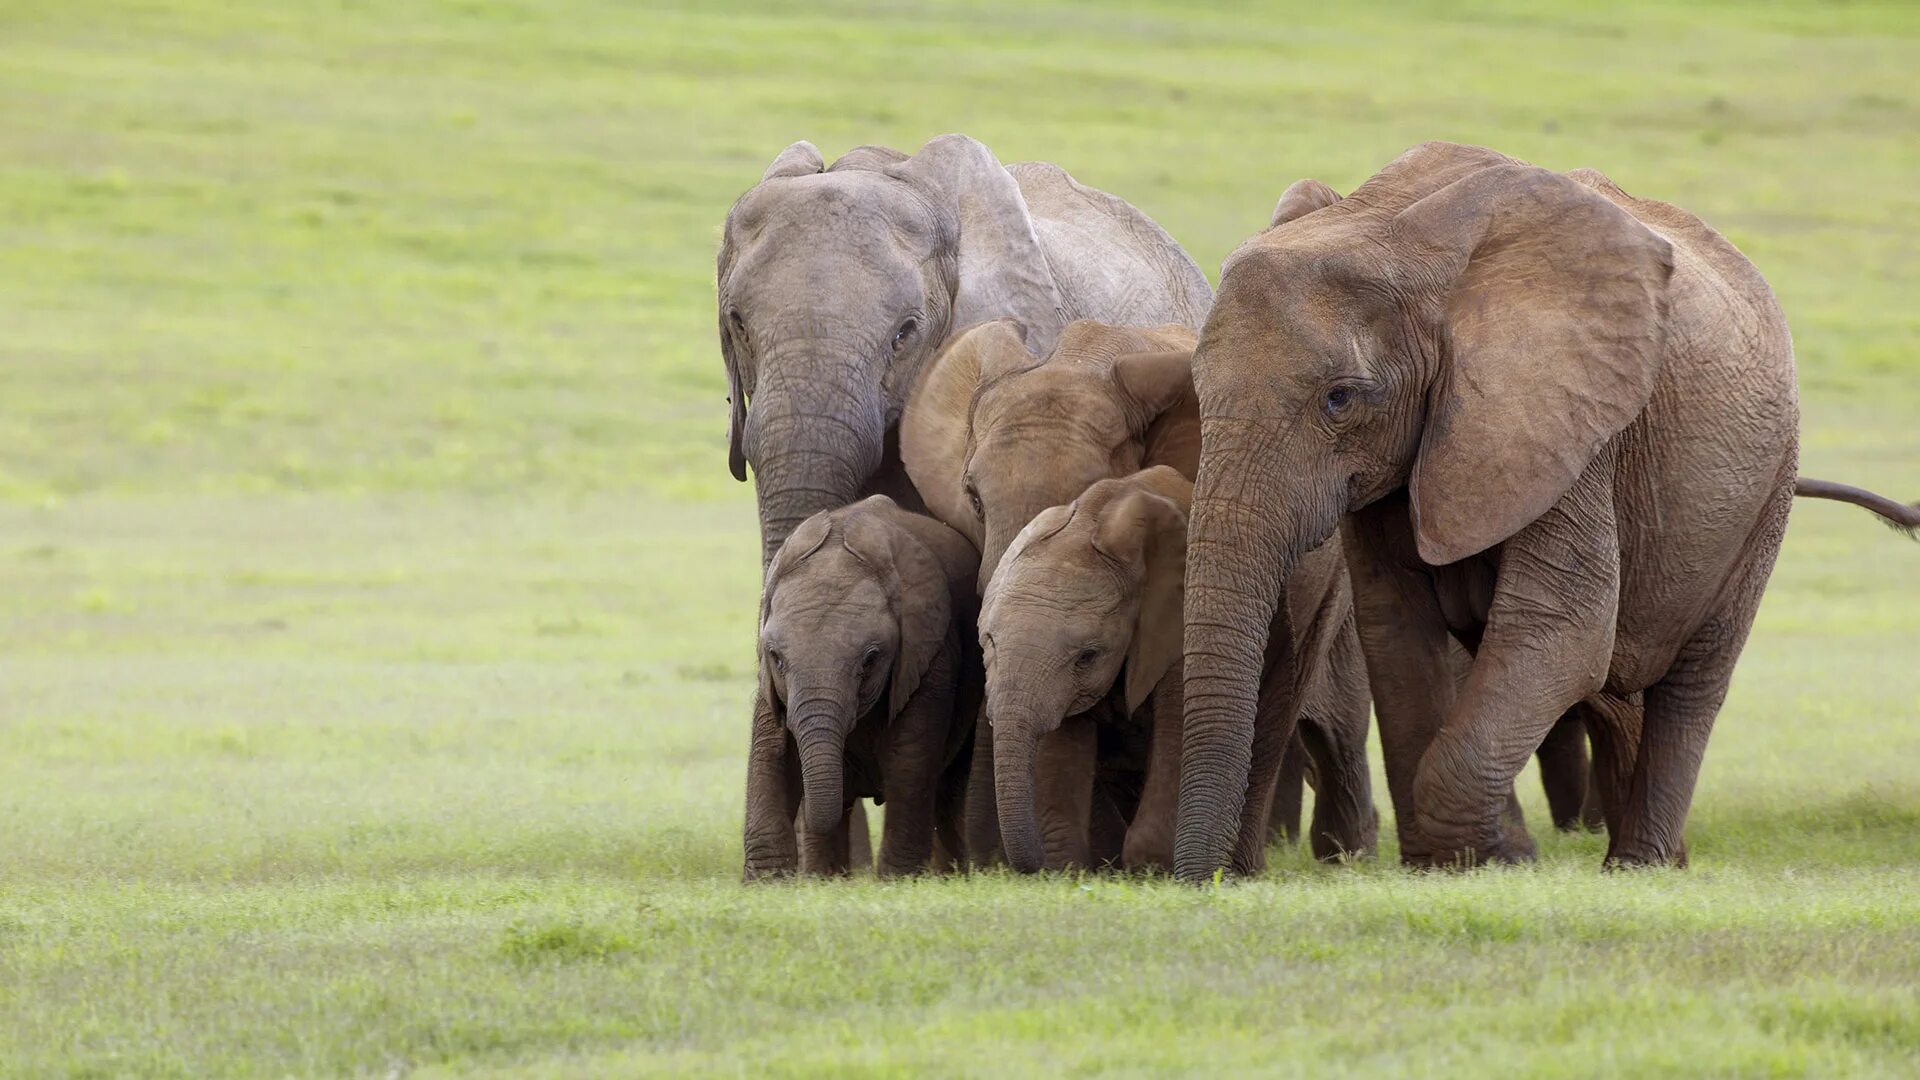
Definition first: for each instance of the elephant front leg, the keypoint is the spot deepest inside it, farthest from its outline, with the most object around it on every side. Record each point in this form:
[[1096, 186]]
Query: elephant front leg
[[1149, 843], [910, 774], [773, 797], [1548, 644], [1410, 658], [1334, 732], [1064, 793], [1289, 792], [982, 812]]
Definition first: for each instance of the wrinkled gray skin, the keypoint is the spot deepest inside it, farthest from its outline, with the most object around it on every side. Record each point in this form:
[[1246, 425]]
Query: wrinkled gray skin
[[836, 285], [1554, 423], [871, 690]]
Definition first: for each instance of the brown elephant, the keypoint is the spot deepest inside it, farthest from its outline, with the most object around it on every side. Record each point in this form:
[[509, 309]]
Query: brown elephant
[[994, 434], [836, 285], [871, 687], [1555, 423], [1080, 630]]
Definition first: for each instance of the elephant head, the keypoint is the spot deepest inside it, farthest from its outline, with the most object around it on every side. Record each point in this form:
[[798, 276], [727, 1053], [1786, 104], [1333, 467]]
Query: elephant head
[[856, 604], [836, 285], [1088, 595], [1463, 326], [993, 435]]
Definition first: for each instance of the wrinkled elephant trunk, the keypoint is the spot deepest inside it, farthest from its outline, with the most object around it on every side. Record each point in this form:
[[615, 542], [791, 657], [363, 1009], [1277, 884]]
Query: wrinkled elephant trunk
[[822, 769], [1015, 750], [1237, 558], [813, 443]]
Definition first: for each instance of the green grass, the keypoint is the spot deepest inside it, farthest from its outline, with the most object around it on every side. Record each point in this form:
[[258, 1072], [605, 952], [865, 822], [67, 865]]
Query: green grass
[[375, 609]]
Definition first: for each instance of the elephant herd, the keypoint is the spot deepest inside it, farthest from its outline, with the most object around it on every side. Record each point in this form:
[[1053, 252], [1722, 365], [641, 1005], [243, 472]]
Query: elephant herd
[[1070, 562]]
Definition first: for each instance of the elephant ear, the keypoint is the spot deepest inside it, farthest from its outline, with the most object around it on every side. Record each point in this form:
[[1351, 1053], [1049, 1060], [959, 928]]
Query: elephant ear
[[1553, 336], [736, 400], [799, 544], [1146, 528], [800, 159], [1301, 198], [917, 592], [1001, 270], [1154, 382], [936, 426]]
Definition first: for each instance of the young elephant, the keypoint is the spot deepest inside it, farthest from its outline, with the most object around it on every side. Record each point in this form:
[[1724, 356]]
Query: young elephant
[[994, 434], [870, 688], [1081, 632]]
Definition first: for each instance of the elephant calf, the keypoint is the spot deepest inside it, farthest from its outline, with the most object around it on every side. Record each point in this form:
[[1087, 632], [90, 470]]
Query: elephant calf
[[869, 690], [1081, 632]]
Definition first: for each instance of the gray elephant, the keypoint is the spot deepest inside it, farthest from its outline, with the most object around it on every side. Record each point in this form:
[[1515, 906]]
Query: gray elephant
[[871, 689], [1554, 423], [835, 285]]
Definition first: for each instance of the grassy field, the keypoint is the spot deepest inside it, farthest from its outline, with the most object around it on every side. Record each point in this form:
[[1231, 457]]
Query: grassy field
[[376, 611]]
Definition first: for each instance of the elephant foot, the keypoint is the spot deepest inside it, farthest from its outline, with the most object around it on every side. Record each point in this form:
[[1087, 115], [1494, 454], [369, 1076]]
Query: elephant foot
[[755, 875], [1641, 858], [1505, 850]]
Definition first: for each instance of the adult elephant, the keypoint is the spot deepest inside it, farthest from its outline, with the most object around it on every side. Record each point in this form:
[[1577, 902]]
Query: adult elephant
[[1557, 424], [836, 285]]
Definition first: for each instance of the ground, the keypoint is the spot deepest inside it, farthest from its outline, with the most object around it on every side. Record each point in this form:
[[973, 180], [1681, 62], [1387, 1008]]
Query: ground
[[376, 610]]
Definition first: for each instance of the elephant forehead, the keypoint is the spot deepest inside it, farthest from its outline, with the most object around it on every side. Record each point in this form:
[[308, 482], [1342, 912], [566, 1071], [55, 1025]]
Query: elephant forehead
[[848, 207], [1050, 393]]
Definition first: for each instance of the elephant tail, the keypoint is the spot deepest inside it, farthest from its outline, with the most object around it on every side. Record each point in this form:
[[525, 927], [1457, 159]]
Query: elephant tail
[[1905, 519]]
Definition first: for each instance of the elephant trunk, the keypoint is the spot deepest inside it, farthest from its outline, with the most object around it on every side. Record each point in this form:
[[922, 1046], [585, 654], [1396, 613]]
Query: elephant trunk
[[814, 438], [1238, 557], [1015, 750], [822, 769]]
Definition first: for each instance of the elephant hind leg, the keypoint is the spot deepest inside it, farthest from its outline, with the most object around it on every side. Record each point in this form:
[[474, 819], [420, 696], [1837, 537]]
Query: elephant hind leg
[[1678, 711], [1563, 770], [1334, 732], [1289, 793]]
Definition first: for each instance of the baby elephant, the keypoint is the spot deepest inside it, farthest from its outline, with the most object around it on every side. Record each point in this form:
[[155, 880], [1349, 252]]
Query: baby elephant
[[862, 665], [1080, 628], [1081, 631]]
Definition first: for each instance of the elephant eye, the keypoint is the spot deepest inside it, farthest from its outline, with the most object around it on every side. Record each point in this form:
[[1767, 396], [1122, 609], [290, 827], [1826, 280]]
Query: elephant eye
[[973, 496], [901, 335], [777, 659], [1338, 399], [739, 324], [868, 658], [1087, 657]]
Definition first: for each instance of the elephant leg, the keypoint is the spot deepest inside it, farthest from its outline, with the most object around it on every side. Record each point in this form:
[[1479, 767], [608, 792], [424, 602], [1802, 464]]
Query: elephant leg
[[1064, 793], [1412, 669], [773, 797], [1149, 842], [1563, 770], [859, 839], [949, 816], [910, 775], [1548, 644], [983, 812], [1289, 791], [1106, 828], [1613, 723], [1334, 732], [1678, 711]]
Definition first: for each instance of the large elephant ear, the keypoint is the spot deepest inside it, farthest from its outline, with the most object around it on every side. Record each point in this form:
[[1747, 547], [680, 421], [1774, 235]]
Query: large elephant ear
[[800, 159], [1146, 526], [917, 592], [1001, 270], [1553, 335], [1301, 198], [935, 427], [736, 403]]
